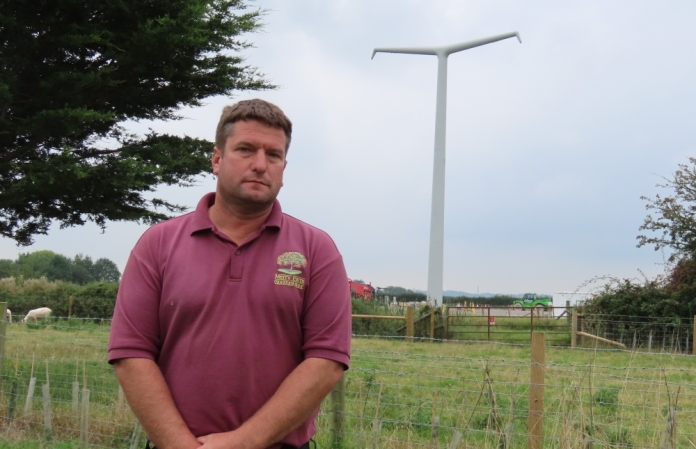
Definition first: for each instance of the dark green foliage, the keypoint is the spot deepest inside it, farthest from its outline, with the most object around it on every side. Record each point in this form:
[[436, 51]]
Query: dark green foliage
[[404, 296], [95, 300], [394, 291], [74, 71], [607, 397], [55, 267], [48, 264], [675, 223], [619, 438], [6, 268], [410, 297], [673, 295], [368, 326], [498, 300], [105, 270], [629, 298]]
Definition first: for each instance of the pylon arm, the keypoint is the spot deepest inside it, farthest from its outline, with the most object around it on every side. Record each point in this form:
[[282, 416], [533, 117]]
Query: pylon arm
[[449, 49]]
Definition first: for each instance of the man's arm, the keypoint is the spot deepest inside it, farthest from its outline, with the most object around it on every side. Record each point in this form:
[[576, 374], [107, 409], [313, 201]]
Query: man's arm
[[297, 397], [152, 403]]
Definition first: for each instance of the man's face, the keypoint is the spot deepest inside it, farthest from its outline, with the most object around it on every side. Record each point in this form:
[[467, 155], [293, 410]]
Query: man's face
[[250, 169]]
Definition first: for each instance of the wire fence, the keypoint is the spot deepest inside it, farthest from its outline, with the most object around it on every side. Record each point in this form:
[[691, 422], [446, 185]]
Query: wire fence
[[472, 394], [641, 333], [433, 393]]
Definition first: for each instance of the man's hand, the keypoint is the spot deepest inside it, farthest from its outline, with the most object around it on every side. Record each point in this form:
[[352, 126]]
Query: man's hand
[[298, 396], [227, 440]]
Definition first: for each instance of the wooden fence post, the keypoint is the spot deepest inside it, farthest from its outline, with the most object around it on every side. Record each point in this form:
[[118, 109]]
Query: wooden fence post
[[338, 406], [410, 314], [568, 310], [432, 325], [536, 391], [3, 330], [693, 346], [446, 336], [574, 330]]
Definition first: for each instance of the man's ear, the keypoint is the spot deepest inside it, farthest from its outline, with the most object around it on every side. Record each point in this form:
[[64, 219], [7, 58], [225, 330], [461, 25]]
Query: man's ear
[[215, 160]]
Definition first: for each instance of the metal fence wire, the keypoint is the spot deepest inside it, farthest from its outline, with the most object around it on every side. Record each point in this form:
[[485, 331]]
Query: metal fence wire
[[477, 395], [58, 391], [641, 333]]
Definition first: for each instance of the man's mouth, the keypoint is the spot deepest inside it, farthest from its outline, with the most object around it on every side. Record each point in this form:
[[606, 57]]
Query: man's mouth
[[256, 181]]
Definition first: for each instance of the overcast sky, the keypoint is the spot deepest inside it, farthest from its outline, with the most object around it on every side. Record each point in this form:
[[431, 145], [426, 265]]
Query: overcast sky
[[550, 143]]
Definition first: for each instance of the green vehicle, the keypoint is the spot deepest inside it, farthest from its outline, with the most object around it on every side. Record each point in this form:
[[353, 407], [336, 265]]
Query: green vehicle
[[532, 300]]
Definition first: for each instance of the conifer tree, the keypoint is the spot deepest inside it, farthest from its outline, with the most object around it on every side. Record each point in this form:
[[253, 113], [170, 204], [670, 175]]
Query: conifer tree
[[73, 71]]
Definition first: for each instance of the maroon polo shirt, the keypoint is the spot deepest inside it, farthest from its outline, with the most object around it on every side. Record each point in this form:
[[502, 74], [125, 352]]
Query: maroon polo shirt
[[226, 324]]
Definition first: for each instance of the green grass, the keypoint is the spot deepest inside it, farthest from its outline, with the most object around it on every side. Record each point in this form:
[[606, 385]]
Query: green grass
[[619, 399], [508, 329], [65, 351], [616, 398]]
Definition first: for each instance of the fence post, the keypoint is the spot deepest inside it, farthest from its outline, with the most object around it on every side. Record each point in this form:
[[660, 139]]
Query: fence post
[[432, 325], [3, 330], [48, 430], [568, 310], [338, 405], [693, 346], [531, 322], [489, 324], [84, 418], [410, 314], [446, 336], [536, 391], [574, 330]]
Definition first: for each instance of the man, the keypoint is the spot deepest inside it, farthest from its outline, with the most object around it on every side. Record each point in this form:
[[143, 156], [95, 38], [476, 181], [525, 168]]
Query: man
[[232, 322]]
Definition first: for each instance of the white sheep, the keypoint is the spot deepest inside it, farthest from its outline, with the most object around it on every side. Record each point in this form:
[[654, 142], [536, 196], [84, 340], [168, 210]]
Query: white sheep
[[8, 315], [41, 312]]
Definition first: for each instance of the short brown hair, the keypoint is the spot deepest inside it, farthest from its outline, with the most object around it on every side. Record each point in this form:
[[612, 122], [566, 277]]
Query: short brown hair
[[256, 109]]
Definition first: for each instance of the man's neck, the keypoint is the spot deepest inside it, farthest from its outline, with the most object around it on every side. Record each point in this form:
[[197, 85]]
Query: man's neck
[[236, 224]]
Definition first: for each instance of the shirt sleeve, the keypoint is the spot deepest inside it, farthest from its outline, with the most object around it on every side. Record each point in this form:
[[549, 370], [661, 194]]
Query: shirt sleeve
[[327, 319], [135, 330]]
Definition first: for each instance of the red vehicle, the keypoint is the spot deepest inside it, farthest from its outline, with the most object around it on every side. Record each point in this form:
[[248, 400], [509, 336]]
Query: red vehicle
[[359, 290]]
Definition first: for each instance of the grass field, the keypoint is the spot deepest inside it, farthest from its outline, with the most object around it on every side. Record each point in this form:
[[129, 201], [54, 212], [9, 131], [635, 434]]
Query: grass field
[[508, 329], [397, 394]]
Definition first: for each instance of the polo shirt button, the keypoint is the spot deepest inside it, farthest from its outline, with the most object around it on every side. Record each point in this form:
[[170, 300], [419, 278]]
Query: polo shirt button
[[238, 252]]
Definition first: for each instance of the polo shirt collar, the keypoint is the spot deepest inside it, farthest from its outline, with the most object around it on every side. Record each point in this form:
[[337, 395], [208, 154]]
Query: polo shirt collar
[[201, 221]]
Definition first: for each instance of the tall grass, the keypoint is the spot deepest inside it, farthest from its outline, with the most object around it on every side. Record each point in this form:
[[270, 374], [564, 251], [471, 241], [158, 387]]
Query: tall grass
[[609, 398], [398, 394]]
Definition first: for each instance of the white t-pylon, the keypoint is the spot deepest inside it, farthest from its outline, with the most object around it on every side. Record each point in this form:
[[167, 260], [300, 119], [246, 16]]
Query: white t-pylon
[[437, 215]]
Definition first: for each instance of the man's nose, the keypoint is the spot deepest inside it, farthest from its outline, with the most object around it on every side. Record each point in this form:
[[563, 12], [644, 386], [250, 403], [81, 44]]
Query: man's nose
[[259, 163]]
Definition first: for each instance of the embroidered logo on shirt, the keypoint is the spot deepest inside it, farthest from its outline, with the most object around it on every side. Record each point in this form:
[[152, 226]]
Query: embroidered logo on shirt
[[289, 276]]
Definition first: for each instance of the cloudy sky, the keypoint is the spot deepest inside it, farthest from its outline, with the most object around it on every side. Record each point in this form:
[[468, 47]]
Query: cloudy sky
[[550, 143]]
